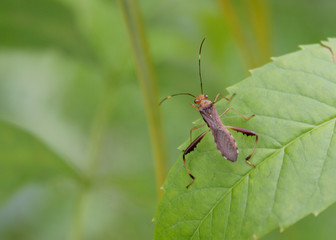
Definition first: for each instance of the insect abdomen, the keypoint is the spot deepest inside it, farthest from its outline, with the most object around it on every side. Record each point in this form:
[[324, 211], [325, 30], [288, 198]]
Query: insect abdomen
[[224, 140], [225, 144]]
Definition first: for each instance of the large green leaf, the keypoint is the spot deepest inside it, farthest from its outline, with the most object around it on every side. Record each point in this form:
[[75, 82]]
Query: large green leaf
[[294, 101], [25, 160]]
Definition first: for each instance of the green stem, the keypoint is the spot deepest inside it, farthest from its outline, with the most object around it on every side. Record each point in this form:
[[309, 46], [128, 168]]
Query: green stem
[[236, 29], [260, 19], [97, 135], [147, 80], [98, 129], [78, 218]]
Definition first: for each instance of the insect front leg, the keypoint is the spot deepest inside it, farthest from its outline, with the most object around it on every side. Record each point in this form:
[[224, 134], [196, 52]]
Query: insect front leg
[[231, 108], [248, 133], [220, 95], [190, 148], [194, 128], [194, 106]]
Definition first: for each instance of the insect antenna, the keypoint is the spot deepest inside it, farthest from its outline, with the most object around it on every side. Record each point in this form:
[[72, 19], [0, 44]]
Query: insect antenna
[[199, 64], [177, 94]]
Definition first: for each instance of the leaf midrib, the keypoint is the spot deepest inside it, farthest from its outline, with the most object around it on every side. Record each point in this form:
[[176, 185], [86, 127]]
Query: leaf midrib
[[253, 169]]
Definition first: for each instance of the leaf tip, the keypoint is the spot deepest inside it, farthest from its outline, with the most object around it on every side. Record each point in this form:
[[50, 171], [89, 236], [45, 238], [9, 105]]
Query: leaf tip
[[255, 71], [181, 147], [251, 71], [281, 228], [303, 47], [316, 213]]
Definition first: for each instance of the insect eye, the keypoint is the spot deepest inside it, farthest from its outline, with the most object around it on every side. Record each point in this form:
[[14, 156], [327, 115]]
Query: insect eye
[[195, 101]]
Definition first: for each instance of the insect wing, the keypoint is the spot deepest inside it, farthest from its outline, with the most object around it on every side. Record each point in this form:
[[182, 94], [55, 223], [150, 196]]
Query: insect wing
[[226, 143]]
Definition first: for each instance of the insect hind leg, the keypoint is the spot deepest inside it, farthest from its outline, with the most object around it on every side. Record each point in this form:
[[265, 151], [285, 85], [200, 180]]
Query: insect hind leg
[[190, 148]]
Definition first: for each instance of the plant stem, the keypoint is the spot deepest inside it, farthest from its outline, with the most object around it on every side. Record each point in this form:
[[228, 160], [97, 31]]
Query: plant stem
[[236, 29], [147, 80], [99, 126], [76, 230], [260, 19]]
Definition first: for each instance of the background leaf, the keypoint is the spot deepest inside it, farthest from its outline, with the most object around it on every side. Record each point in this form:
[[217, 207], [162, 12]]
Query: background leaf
[[293, 98]]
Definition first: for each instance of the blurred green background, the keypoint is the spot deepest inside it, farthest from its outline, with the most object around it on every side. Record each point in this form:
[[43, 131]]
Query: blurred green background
[[76, 156]]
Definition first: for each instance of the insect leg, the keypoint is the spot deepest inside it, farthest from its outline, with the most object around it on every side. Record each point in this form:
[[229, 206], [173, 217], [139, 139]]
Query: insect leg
[[194, 106], [248, 133], [231, 108], [330, 50], [228, 99], [194, 128], [190, 148]]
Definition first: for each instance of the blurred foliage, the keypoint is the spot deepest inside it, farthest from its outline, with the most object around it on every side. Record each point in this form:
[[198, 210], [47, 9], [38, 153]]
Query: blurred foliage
[[75, 155]]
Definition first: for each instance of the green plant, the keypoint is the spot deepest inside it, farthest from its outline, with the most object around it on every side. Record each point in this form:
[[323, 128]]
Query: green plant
[[293, 98]]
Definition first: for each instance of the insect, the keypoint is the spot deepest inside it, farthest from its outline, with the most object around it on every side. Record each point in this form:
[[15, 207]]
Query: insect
[[225, 142]]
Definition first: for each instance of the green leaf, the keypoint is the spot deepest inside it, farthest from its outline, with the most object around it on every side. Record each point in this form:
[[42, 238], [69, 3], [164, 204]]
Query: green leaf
[[294, 101], [25, 160]]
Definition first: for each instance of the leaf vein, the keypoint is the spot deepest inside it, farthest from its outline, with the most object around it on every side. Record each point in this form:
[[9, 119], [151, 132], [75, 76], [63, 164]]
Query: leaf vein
[[284, 119], [324, 162], [321, 59], [265, 160], [302, 71], [228, 217], [293, 94], [246, 202]]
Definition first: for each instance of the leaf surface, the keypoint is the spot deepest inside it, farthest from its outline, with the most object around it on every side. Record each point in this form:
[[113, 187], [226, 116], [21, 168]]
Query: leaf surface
[[294, 101]]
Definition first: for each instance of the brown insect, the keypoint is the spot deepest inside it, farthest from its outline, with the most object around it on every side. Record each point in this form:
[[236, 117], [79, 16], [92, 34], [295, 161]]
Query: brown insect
[[225, 142]]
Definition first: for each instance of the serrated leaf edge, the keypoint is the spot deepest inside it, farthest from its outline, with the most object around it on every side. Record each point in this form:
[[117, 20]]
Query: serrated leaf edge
[[254, 169]]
